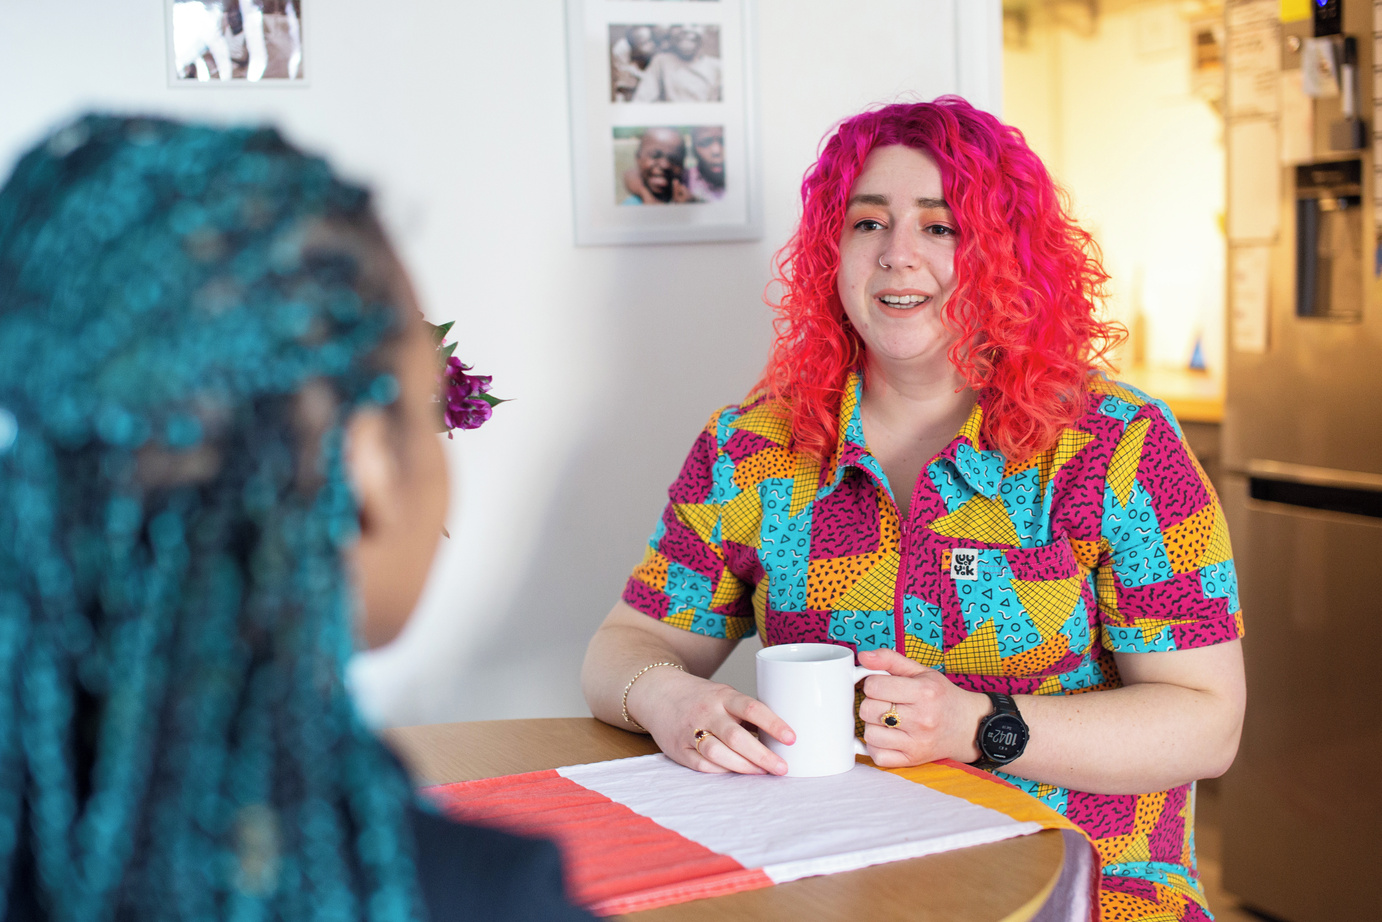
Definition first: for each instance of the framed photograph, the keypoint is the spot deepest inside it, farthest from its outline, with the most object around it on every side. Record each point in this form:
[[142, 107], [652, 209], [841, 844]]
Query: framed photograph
[[235, 43], [663, 131]]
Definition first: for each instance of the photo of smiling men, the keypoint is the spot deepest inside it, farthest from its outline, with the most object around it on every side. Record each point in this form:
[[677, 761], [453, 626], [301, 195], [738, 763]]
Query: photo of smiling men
[[669, 165], [687, 69], [664, 63]]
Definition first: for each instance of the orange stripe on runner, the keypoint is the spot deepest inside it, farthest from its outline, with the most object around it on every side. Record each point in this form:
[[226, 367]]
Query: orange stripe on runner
[[988, 790], [615, 860], [980, 787]]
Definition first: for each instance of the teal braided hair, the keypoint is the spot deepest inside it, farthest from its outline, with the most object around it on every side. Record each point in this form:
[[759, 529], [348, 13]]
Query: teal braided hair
[[188, 315]]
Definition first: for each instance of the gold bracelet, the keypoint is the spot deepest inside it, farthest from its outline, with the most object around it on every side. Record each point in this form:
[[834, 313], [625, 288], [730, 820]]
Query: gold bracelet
[[624, 704]]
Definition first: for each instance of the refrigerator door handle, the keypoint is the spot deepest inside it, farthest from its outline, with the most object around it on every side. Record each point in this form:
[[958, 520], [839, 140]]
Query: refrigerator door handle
[[1350, 492], [1315, 476]]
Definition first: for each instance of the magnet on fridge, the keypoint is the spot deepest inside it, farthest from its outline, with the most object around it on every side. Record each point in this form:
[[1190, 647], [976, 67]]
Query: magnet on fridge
[[1319, 68]]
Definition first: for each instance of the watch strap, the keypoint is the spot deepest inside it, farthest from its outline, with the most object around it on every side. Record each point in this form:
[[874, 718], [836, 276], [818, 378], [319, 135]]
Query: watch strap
[[1002, 704]]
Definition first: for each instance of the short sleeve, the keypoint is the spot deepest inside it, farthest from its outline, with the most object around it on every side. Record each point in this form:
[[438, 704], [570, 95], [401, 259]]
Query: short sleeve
[[1166, 579], [685, 578]]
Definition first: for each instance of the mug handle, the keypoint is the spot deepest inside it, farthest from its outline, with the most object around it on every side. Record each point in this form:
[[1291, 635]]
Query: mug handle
[[860, 673]]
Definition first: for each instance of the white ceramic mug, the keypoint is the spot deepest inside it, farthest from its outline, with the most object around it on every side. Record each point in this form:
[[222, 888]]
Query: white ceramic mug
[[811, 686]]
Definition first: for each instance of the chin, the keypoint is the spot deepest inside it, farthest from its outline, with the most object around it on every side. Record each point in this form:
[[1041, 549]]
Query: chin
[[914, 353]]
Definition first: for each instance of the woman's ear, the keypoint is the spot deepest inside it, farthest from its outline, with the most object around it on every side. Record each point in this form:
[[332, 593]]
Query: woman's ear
[[372, 466], [376, 481], [398, 474]]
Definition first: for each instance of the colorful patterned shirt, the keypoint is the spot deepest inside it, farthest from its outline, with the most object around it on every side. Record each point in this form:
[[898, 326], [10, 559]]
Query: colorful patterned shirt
[[1112, 541]]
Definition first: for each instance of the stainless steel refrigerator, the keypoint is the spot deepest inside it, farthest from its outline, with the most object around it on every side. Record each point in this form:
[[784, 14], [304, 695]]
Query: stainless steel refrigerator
[[1302, 805]]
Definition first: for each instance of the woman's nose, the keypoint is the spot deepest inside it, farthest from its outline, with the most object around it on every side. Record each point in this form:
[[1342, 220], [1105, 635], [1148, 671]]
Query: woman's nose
[[904, 250]]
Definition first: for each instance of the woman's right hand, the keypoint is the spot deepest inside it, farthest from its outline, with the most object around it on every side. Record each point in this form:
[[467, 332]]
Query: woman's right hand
[[672, 705]]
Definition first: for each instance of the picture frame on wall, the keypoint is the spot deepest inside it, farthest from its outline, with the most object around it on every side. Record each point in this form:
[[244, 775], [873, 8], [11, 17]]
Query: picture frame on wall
[[663, 127], [235, 43]]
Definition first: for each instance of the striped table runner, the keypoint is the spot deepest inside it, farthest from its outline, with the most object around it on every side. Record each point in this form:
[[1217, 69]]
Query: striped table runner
[[645, 832]]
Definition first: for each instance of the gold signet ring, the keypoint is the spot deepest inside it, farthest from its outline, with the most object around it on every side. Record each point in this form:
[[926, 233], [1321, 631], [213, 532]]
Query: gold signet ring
[[890, 718]]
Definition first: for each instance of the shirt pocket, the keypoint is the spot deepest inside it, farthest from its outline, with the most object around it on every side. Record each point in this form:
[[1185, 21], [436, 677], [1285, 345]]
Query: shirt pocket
[[1025, 612]]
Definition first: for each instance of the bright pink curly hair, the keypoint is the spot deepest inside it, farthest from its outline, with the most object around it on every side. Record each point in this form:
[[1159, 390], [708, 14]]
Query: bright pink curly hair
[[1028, 280]]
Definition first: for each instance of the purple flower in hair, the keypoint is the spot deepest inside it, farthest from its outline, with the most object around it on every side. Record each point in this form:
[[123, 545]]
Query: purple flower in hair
[[465, 399]]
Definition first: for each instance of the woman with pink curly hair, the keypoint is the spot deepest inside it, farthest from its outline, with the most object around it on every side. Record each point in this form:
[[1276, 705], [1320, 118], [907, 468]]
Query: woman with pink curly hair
[[933, 472]]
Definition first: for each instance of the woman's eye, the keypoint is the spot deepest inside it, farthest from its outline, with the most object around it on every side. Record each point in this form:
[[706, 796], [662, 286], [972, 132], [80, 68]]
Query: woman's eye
[[940, 230], [868, 224]]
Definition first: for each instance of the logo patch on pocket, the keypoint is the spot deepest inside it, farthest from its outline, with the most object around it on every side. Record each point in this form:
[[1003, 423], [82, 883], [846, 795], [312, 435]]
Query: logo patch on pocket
[[964, 563]]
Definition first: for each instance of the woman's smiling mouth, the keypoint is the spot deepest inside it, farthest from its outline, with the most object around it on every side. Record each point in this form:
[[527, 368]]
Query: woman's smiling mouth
[[903, 301]]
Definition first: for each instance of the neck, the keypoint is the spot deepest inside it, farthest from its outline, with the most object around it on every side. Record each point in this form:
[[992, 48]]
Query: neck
[[909, 416], [913, 402]]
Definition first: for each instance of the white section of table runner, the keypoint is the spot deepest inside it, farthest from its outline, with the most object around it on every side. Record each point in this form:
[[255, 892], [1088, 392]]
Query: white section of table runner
[[798, 827]]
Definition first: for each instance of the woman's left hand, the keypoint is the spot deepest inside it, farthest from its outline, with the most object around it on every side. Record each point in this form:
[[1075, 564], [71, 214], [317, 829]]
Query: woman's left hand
[[936, 719]]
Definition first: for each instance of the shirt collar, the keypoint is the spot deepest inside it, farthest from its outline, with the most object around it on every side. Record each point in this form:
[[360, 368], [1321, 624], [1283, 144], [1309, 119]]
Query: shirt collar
[[967, 453], [981, 467]]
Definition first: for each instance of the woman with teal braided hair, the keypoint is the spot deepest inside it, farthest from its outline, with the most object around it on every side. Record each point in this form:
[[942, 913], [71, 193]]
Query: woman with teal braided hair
[[217, 436]]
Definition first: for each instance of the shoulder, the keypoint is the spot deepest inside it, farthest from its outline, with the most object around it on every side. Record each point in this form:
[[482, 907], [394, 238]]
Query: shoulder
[[470, 872], [739, 446], [760, 420], [1150, 473], [1118, 409], [1122, 431]]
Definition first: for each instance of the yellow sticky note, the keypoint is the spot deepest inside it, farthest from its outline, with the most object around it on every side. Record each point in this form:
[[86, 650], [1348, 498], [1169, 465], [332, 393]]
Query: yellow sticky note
[[1295, 10]]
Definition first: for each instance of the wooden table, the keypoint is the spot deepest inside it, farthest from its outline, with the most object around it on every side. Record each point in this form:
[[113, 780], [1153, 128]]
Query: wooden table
[[1006, 880]]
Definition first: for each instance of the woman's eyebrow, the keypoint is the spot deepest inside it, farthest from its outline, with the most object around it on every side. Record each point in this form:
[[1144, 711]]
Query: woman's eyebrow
[[872, 198]]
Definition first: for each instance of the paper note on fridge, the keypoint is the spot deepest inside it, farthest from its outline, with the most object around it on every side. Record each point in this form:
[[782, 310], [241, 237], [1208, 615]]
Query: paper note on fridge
[[1250, 301], [1254, 177], [1254, 63]]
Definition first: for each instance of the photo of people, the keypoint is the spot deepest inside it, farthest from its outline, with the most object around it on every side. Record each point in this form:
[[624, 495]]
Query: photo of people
[[661, 108], [237, 40], [664, 63], [669, 165]]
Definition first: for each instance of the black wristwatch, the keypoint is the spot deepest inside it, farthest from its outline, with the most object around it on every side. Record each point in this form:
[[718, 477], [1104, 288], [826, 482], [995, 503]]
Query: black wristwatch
[[1002, 734]]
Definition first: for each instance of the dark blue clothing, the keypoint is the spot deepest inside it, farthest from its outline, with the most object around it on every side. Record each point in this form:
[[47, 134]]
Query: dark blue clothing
[[466, 873]]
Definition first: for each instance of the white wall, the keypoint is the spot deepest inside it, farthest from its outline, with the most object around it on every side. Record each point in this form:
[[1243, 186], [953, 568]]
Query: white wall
[[1111, 112], [615, 356]]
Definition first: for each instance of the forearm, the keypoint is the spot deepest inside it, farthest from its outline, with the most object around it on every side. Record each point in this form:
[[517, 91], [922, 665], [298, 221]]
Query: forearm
[[627, 642], [1130, 740], [1176, 718], [615, 655]]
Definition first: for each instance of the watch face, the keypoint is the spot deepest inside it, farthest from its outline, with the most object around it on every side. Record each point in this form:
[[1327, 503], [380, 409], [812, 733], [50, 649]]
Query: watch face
[[1004, 738]]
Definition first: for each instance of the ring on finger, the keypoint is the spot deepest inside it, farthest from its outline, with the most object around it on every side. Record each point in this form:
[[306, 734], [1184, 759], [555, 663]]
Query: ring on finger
[[890, 718], [701, 736]]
